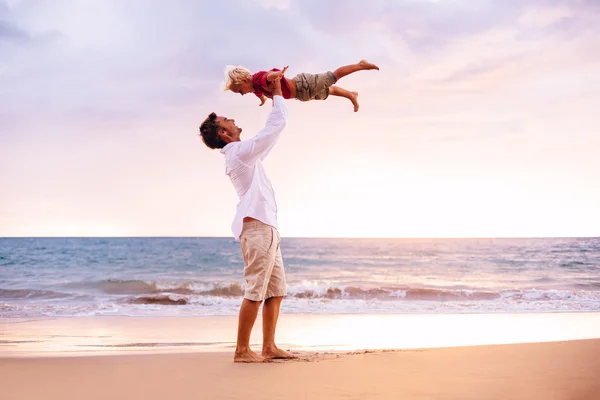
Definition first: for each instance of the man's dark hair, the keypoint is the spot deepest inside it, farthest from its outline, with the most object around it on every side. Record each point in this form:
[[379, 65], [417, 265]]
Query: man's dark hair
[[209, 130]]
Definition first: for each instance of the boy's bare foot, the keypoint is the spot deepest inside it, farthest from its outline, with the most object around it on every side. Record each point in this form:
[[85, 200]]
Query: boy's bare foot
[[276, 353], [354, 100], [364, 64], [248, 357]]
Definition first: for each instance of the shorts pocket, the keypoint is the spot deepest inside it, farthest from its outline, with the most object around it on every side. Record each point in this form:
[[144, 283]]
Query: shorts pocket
[[263, 239]]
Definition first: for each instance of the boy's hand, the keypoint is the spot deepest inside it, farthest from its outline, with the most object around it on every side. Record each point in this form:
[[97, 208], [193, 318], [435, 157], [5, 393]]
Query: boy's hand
[[280, 74], [263, 100], [276, 75]]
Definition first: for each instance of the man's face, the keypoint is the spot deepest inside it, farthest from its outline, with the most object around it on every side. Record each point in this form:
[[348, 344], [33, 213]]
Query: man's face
[[230, 131], [242, 88]]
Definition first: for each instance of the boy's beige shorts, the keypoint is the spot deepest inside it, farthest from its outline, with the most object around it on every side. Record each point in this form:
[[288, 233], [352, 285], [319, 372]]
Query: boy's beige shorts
[[313, 86], [263, 266]]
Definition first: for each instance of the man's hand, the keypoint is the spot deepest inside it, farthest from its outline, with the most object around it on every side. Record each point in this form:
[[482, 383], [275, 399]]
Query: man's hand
[[275, 86]]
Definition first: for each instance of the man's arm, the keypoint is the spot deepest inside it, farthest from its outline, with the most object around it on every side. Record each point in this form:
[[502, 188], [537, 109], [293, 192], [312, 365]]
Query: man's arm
[[259, 146]]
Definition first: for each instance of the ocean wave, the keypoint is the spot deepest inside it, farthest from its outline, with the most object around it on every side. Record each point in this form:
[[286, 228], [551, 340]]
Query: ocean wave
[[588, 286], [161, 300], [209, 295], [218, 306], [133, 286], [550, 295], [231, 290], [157, 291], [140, 287], [303, 297], [388, 293], [16, 294]]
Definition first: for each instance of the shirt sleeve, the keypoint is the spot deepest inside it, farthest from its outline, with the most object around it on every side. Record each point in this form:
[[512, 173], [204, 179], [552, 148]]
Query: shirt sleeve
[[257, 148], [260, 78]]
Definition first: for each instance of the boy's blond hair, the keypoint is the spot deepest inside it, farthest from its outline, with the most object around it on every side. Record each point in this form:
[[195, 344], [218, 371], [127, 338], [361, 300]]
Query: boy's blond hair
[[235, 75]]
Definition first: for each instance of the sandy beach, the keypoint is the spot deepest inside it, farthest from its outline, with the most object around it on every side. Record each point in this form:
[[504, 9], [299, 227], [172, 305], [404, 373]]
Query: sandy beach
[[340, 357], [558, 370]]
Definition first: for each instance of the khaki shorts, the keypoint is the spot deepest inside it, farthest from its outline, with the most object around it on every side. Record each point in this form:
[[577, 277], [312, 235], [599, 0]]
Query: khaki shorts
[[263, 266], [313, 86]]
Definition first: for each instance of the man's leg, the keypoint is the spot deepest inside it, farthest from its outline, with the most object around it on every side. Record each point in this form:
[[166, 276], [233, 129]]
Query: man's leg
[[259, 255], [348, 69], [270, 316], [247, 317], [276, 291], [352, 96]]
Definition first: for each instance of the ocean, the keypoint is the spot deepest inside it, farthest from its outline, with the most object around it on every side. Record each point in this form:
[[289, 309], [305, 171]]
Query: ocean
[[161, 277]]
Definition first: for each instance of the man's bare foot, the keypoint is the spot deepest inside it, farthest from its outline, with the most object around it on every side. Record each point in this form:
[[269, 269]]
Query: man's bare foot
[[354, 100], [248, 357], [276, 353], [364, 64]]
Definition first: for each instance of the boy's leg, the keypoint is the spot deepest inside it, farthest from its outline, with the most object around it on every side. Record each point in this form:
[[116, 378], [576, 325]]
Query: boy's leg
[[348, 69], [352, 96]]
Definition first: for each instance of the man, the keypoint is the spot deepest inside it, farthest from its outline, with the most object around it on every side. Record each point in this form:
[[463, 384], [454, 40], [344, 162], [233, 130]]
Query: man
[[255, 223]]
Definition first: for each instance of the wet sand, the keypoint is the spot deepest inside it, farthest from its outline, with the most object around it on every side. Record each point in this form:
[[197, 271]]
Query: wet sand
[[299, 332]]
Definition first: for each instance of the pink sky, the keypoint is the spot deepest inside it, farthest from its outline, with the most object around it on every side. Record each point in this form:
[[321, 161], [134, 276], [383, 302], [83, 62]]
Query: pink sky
[[483, 121]]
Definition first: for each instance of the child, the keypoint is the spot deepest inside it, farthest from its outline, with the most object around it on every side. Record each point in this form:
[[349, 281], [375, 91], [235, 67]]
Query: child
[[303, 87]]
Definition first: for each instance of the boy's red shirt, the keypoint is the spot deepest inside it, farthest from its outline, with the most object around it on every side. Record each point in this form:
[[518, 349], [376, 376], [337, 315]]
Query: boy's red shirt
[[259, 80]]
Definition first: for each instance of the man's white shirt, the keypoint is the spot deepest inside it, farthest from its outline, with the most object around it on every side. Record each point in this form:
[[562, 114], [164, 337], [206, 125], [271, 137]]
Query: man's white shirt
[[243, 165]]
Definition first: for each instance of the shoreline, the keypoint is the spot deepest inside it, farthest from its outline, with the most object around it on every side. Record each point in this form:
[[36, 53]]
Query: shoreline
[[117, 335]]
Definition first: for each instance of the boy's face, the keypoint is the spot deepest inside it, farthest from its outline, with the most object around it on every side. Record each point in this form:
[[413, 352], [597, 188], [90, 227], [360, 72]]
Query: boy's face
[[242, 88]]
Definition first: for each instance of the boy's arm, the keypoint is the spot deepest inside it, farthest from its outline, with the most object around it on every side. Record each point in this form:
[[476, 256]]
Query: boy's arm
[[271, 76], [263, 99], [259, 146]]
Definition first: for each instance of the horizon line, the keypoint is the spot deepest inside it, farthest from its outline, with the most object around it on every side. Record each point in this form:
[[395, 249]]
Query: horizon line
[[299, 237]]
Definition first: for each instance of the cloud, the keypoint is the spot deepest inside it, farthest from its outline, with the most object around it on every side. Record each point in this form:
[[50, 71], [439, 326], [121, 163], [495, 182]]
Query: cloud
[[430, 27], [424, 25], [9, 32], [541, 17], [71, 60], [278, 4], [133, 57]]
